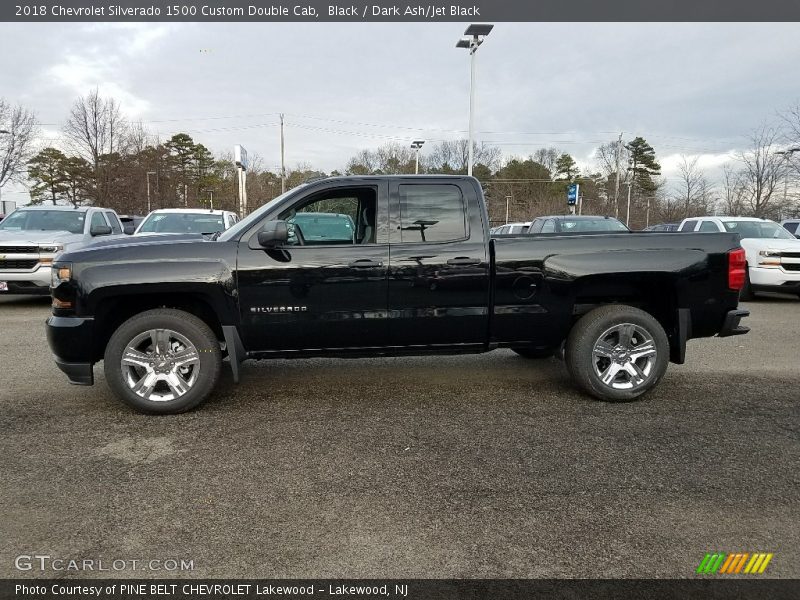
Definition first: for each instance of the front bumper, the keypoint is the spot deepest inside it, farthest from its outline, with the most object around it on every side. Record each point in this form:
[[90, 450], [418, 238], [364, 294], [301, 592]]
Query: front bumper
[[35, 282], [731, 324], [774, 279], [71, 342]]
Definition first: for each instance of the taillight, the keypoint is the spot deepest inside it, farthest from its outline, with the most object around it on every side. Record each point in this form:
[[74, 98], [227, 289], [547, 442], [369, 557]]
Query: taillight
[[737, 269]]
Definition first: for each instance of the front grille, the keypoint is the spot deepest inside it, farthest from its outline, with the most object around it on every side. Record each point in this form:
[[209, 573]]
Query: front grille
[[24, 263], [791, 266], [19, 250], [790, 254]]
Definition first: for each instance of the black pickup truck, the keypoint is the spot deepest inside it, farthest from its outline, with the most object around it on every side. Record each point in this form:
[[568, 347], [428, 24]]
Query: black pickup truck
[[366, 266]]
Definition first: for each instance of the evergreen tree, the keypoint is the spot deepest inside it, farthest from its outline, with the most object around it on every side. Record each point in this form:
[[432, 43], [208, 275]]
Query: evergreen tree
[[566, 167], [47, 172], [643, 165]]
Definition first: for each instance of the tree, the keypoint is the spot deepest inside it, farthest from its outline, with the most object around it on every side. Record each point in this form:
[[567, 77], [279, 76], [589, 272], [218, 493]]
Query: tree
[[734, 192], [451, 157], [546, 157], [95, 127], [566, 167], [693, 194], [762, 171], [78, 180], [46, 171], [16, 146], [643, 165]]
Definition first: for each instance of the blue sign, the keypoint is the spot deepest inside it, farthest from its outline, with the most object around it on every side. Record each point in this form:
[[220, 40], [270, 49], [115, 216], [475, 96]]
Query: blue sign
[[572, 194]]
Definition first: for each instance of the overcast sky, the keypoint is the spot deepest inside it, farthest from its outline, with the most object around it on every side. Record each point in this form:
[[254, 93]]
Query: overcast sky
[[697, 89]]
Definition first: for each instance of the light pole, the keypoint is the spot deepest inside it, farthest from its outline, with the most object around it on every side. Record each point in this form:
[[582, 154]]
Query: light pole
[[417, 145], [628, 216], [508, 201], [148, 189], [476, 34]]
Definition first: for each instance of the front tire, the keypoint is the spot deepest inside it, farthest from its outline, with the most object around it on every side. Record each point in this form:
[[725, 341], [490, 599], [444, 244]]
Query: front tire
[[617, 353], [163, 361], [746, 293]]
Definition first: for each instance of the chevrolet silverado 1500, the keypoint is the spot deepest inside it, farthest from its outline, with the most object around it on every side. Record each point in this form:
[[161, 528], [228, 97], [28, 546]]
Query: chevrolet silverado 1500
[[416, 273]]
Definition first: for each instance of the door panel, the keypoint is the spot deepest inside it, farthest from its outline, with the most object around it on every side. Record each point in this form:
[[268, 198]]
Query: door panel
[[316, 296], [438, 288]]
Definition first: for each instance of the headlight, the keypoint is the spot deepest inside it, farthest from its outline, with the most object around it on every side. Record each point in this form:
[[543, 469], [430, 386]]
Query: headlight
[[769, 258], [49, 249], [61, 273]]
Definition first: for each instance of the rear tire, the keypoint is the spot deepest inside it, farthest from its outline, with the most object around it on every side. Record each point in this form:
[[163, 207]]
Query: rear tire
[[163, 361], [617, 353], [533, 353]]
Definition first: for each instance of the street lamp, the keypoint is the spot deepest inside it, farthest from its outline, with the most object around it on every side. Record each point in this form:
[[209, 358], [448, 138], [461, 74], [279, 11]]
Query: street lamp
[[476, 34], [148, 189], [416, 145]]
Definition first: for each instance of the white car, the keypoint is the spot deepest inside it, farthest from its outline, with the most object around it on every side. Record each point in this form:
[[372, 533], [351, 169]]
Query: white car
[[773, 254], [512, 228], [186, 220]]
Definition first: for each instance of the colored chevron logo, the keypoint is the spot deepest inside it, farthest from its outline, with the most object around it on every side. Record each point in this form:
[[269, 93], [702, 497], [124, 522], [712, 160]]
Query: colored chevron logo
[[735, 563]]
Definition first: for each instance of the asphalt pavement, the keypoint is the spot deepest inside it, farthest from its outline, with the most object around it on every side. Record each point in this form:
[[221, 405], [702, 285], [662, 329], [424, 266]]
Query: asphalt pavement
[[465, 466]]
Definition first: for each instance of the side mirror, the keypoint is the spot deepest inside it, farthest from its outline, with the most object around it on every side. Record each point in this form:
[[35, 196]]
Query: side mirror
[[274, 233], [99, 230]]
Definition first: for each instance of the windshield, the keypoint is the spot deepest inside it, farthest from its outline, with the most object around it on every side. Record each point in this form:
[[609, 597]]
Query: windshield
[[182, 223], [758, 229], [44, 220], [574, 225], [255, 216]]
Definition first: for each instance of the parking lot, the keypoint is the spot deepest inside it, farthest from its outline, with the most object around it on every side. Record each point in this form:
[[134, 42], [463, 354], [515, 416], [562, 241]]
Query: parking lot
[[464, 466]]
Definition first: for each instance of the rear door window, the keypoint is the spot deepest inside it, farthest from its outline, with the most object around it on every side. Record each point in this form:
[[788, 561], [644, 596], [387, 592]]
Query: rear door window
[[791, 227], [688, 226], [431, 213]]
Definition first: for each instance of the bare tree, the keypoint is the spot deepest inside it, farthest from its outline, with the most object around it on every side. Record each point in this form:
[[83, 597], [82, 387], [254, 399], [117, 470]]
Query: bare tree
[[453, 156], [20, 129], [547, 157], [734, 192], [96, 127], [694, 193], [762, 171]]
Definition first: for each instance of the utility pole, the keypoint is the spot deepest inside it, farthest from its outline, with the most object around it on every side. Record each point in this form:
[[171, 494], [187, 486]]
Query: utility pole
[[616, 188], [283, 163], [148, 189], [508, 200], [628, 217]]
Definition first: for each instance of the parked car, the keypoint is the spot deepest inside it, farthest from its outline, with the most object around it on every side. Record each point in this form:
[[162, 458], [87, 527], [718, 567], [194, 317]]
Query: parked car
[[323, 228], [161, 314], [186, 220], [792, 226], [512, 228], [577, 224], [130, 223], [2, 216], [32, 236], [773, 254], [663, 227]]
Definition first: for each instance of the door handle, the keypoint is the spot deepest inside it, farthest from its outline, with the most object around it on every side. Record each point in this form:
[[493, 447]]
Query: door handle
[[364, 263], [463, 260]]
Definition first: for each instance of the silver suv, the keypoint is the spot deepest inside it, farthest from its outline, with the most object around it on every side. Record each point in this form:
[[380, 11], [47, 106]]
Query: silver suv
[[32, 236]]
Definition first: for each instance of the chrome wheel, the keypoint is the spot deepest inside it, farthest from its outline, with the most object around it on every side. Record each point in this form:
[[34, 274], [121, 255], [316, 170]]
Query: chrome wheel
[[160, 365], [624, 356]]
